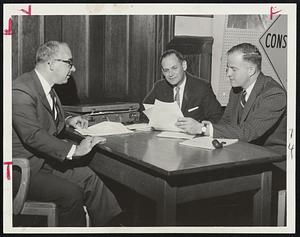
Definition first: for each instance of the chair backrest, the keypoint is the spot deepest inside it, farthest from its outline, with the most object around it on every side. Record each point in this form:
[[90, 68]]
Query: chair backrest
[[20, 197]]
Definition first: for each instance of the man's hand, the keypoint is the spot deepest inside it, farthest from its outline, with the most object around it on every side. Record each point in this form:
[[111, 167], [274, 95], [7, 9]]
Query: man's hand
[[189, 125], [77, 122], [87, 144]]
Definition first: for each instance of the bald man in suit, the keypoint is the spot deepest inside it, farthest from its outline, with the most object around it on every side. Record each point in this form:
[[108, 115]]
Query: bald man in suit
[[38, 123], [194, 95]]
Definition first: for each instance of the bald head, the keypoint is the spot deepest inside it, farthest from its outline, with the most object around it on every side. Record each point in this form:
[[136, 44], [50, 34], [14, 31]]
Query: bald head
[[49, 50]]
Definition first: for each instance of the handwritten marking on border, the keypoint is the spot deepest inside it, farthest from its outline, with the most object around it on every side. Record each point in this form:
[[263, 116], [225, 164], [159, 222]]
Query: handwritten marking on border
[[8, 164], [28, 12], [273, 12], [291, 144], [8, 31]]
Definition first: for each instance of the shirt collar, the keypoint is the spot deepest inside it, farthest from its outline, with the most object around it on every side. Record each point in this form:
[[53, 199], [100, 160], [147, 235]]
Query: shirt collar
[[182, 84], [249, 89], [46, 86]]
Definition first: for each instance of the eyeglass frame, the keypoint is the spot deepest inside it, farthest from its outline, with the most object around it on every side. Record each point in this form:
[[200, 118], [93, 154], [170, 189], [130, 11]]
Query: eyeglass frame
[[69, 61]]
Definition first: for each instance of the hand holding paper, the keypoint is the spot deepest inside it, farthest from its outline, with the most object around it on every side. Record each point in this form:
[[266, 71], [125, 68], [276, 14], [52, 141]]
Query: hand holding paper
[[163, 116]]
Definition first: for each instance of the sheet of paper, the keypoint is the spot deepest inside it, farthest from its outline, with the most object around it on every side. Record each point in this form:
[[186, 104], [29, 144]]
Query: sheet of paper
[[175, 135], [104, 128], [139, 126], [206, 142], [163, 116], [148, 106]]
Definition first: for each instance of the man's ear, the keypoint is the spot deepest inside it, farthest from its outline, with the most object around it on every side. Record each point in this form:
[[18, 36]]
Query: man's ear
[[184, 65], [251, 70], [50, 63]]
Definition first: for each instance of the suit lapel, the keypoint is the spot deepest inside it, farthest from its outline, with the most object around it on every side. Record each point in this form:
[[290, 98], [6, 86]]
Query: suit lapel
[[185, 98], [256, 89], [41, 92]]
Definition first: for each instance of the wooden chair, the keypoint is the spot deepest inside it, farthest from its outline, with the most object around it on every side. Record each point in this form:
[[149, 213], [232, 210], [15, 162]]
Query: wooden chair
[[21, 206]]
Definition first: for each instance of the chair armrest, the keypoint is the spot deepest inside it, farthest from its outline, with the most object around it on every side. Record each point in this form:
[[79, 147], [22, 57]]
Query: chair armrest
[[20, 197]]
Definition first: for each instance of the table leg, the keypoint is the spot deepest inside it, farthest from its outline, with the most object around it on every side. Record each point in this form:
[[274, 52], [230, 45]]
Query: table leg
[[262, 201], [166, 205]]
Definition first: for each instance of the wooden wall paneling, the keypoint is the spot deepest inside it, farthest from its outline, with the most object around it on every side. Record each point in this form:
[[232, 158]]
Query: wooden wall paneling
[[116, 58], [142, 55], [53, 28], [75, 32], [29, 33], [15, 48], [96, 58], [164, 34]]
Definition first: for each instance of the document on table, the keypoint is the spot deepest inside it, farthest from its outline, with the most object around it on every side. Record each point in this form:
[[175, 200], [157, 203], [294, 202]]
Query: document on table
[[206, 142], [139, 126], [175, 135], [104, 128], [163, 116]]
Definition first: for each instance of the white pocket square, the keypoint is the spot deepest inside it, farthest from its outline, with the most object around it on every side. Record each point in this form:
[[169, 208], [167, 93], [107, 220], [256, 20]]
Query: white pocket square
[[192, 109]]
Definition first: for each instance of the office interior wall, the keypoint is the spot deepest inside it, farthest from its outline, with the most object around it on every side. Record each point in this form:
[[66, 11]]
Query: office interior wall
[[116, 57]]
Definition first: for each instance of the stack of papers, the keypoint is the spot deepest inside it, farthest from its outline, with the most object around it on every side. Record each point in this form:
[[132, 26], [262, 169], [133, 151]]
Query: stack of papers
[[163, 115], [103, 129], [206, 142], [175, 135]]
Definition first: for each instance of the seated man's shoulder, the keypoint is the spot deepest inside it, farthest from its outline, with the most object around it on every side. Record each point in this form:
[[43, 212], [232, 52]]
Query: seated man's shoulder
[[22, 81], [197, 80]]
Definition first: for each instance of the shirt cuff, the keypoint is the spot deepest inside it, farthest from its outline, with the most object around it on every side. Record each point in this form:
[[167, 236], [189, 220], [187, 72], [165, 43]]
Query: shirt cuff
[[209, 128], [71, 152], [66, 119]]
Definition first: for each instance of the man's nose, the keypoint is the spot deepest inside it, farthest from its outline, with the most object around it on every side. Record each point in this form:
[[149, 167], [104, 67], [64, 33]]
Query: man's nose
[[73, 69], [228, 72]]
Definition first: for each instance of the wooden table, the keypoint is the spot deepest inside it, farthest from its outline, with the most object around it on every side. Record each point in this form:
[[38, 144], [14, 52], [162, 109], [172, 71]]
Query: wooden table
[[169, 173]]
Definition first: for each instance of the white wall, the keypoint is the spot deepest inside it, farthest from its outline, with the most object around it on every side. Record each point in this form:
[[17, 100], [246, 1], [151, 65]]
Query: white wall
[[193, 26]]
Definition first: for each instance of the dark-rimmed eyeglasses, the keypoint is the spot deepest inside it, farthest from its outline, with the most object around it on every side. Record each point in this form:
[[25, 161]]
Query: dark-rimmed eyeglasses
[[69, 61]]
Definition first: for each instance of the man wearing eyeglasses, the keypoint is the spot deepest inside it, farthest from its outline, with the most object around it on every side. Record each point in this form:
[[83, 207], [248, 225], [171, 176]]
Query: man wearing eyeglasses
[[256, 111], [38, 121]]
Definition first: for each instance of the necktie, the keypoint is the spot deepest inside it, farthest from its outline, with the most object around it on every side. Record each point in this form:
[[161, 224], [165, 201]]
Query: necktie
[[243, 99], [177, 95], [242, 103], [55, 107]]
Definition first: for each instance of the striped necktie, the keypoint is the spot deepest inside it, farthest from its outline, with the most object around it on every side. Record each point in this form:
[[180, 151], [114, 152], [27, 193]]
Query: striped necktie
[[55, 108], [241, 108], [177, 95], [243, 99]]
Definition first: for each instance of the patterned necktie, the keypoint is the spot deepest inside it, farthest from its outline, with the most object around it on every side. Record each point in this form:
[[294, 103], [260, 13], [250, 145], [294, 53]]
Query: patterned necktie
[[242, 103], [243, 99], [55, 107], [177, 95]]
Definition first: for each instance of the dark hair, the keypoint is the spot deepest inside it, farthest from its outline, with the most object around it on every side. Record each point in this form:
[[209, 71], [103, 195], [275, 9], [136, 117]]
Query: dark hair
[[169, 52], [48, 50], [250, 53]]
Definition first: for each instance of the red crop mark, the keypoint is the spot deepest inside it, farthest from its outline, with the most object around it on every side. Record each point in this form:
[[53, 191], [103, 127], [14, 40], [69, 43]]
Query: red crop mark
[[28, 12], [273, 12], [8, 31], [7, 163]]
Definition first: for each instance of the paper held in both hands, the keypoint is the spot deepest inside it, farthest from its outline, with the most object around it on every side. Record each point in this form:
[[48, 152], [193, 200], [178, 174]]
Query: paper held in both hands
[[104, 129], [163, 116]]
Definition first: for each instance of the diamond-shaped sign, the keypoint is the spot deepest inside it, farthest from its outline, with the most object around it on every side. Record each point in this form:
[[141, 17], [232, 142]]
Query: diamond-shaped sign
[[274, 43]]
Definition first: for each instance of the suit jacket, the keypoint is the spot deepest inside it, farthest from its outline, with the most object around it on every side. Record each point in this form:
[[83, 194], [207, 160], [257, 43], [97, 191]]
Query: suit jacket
[[197, 93], [263, 119], [35, 135]]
